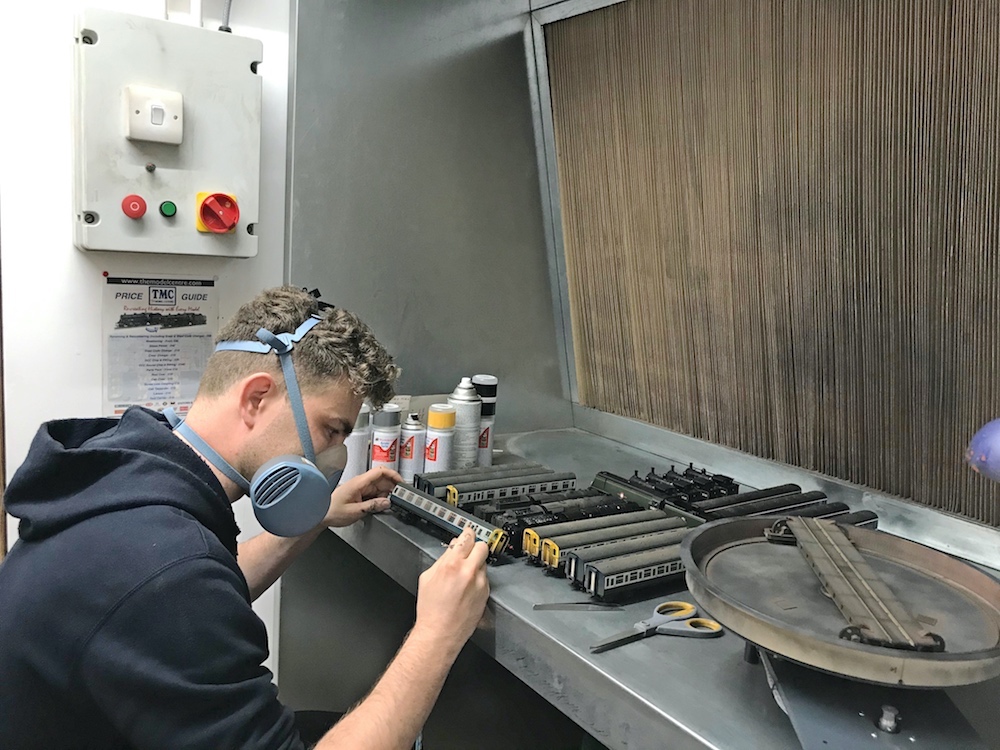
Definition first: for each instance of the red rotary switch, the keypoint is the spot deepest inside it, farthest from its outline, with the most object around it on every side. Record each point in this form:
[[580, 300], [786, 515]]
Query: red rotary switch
[[219, 213], [134, 206]]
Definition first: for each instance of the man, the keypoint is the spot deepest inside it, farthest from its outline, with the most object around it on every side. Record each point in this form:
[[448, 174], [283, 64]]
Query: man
[[125, 616]]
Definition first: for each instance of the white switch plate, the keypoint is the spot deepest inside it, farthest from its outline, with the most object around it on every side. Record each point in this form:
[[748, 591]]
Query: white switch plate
[[219, 152], [153, 115]]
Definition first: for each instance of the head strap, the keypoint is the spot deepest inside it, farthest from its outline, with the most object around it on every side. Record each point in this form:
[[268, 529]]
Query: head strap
[[184, 430], [282, 345], [179, 426]]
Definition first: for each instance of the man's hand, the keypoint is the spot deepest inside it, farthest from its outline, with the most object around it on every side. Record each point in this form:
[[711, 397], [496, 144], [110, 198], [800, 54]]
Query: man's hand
[[452, 593], [265, 557], [357, 497], [450, 601]]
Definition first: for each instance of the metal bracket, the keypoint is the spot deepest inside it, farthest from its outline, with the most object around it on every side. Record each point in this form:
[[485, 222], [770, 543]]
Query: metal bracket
[[828, 712]]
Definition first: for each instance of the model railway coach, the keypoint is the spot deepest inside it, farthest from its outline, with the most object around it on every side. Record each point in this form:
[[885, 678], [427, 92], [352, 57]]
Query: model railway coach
[[614, 537], [443, 516], [478, 485]]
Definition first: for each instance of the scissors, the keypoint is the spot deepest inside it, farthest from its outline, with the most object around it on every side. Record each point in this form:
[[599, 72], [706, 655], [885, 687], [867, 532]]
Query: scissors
[[669, 618]]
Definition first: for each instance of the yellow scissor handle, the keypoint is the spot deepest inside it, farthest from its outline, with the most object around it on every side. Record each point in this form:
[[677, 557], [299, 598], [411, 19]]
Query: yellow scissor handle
[[678, 610], [702, 623]]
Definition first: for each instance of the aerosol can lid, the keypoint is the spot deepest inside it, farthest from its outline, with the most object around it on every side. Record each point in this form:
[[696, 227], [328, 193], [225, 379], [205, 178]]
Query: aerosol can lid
[[486, 387], [441, 416], [464, 391], [412, 422], [364, 417], [388, 416]]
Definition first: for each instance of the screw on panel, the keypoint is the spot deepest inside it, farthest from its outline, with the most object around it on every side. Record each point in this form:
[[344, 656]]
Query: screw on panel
[[89, 217], [150, 167], [88, 36], [889, 720]]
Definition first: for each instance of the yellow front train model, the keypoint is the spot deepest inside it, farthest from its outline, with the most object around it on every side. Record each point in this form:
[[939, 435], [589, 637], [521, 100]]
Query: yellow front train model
[[448, 517]]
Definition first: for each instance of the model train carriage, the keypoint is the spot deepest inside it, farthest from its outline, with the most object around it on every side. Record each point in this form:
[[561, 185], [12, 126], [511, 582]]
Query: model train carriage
[[447, 517]]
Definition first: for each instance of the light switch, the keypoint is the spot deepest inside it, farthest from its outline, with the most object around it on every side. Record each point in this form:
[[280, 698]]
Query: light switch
[[155, 115]]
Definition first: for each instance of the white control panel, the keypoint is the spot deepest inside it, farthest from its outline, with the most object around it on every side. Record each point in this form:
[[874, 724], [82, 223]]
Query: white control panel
[[167, 137]]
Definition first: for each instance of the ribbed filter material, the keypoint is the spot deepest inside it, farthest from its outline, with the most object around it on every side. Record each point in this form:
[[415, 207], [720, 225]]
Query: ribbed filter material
[[780, 223]]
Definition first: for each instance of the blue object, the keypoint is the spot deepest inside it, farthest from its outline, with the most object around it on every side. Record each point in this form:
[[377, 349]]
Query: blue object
[[983, 454], [289, 494]]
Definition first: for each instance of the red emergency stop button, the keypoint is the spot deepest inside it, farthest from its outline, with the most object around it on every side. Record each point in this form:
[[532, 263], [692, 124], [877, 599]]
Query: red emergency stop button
[[218, 213], [134, 206]]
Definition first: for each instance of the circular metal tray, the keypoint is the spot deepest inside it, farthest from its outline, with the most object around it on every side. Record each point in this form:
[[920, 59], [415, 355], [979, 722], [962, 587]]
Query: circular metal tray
[[768, 594]]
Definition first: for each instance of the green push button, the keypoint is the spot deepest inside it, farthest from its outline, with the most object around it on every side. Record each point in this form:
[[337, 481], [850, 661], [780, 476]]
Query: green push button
[[168, 209]]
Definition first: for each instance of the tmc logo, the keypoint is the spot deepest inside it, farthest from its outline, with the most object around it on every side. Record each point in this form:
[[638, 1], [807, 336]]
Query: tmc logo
[[163, 296]]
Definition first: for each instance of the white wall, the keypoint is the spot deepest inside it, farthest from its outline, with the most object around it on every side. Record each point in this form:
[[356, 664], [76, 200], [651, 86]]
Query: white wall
[[52, 291]]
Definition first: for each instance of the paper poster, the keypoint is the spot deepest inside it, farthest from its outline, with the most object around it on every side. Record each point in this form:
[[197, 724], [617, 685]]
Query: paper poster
[[158, 336]]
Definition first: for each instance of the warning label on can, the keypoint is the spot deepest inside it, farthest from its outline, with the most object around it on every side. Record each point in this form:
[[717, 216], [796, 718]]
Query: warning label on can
[[484, 438], [431, 451], [384, 451], [407, 451]]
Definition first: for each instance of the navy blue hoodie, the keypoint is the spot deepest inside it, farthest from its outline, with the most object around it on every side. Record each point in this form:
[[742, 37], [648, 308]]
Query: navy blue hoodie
[[125, 621]]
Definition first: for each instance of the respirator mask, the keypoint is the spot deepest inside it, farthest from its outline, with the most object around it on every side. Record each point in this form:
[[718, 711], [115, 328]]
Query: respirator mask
[[290, 494]]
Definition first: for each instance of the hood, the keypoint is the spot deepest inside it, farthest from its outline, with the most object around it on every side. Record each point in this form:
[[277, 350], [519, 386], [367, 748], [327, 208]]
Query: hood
[[80, 468]]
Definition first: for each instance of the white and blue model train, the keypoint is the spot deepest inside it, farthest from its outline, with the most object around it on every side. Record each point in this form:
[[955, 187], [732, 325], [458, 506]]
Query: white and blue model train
[[447, 517]]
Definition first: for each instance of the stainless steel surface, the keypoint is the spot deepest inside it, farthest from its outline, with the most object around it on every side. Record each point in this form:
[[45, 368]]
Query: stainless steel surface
[[942, 531], [830, 712], [576, 607], [768, 594], [541, 117], [547, 11], [624, 697], [678, 693], [948, 533], [414, 192]]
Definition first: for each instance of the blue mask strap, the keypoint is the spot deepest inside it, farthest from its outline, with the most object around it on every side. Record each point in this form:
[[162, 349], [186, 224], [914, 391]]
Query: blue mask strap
[[282, 345], [182, 429]]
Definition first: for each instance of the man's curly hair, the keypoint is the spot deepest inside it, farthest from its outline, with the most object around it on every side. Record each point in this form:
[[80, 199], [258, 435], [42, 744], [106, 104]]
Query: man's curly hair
[[339, 346]]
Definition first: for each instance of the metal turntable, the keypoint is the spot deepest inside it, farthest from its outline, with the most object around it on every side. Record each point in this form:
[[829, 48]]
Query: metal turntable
[[875, 614]]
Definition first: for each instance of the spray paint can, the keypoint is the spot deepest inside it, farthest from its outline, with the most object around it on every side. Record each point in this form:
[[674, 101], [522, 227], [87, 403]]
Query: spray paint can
[[411, 451], [468, 408], [385, 437], [486, 387], [358, 445], [440, 438]]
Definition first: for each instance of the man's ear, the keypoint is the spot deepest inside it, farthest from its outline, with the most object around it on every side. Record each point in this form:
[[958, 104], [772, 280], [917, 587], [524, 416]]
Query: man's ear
[[257, 395]]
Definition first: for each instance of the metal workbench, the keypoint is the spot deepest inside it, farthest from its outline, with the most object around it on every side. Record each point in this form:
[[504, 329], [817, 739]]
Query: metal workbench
[[662, 692]]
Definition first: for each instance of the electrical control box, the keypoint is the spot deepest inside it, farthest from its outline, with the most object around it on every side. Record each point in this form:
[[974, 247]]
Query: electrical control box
[[167, 137]]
